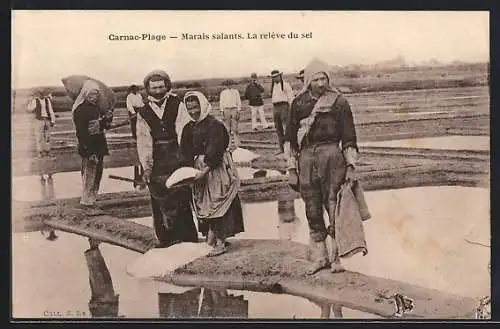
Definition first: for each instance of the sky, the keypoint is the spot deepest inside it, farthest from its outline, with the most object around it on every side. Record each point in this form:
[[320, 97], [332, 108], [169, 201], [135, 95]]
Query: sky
[[48, 45]]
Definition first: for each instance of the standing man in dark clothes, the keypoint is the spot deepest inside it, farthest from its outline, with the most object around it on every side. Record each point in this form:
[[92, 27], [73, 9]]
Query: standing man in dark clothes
[[160, 125], [253, 93], [321, 146], [281, 96], [134, 102], [92, 144]]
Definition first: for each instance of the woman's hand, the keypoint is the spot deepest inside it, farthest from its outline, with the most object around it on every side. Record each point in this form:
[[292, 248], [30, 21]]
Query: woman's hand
[[351, 174], [202, 173]]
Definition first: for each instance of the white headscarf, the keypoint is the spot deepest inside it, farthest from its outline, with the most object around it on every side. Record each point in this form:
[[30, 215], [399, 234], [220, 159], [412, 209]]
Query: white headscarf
[[205, 105], [88, 86]]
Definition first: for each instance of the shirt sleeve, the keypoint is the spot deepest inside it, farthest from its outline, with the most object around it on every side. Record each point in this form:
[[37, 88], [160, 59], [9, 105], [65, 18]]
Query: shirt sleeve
[[289, 93], [130, 105], [219, 141], [222, 100], [238, 98], [50, 110], [290, 145], [348, 131], [31, 105], [144, 144], [82, 131]]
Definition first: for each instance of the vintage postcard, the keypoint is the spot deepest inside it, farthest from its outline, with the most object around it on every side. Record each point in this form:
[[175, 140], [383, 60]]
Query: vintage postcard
[[250, 164]]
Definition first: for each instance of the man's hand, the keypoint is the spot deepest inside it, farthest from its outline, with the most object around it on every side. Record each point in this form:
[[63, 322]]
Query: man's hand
[[351, 174], [146, 176], [293, 179]]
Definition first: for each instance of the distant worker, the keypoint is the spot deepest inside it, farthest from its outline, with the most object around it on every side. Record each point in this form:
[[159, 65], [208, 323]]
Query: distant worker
[[92, 145], [300, 77], [41, 106], [230, 106], [253, 92], [282, 97], [134, 102]]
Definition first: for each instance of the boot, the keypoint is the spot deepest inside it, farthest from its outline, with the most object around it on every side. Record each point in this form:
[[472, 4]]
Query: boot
[[320, 257], [335, 266]]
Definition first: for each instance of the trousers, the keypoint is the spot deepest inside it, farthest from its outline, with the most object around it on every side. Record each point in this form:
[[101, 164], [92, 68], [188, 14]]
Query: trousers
[[322, 170], [280, 116], [91, 179]]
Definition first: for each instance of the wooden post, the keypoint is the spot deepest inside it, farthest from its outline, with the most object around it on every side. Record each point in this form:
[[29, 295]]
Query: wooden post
[[103, 301]]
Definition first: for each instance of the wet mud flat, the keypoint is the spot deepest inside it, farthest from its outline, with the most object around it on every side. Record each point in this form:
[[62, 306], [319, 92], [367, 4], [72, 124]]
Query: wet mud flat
[[278, 266]]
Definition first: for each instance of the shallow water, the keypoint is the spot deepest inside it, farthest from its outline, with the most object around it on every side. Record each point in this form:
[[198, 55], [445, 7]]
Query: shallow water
[[479, 143], [68, 184], [415, 235]]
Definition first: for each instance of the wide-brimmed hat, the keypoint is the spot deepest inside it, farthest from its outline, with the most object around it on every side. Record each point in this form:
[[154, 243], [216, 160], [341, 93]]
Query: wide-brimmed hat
[[275, 73]]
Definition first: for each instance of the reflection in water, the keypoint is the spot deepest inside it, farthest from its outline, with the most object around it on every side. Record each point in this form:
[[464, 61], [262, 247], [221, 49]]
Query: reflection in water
[[202, 303], [288, 222], [103, 301], [48, 194]]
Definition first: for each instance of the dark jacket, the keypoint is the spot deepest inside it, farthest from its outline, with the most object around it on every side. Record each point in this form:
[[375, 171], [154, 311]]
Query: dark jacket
[[83, 117], [334, 126], [253, 92]]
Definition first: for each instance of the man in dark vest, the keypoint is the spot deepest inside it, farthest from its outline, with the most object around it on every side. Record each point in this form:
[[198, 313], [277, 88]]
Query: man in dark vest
[[160, 126], [41, 106]]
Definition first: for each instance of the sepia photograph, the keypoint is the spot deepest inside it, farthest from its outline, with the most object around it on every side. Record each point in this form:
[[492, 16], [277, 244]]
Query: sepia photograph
[[250, 165]]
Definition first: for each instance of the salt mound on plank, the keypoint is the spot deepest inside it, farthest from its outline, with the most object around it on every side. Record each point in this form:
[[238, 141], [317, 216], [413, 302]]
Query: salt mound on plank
[[161, 261], [244, 155]]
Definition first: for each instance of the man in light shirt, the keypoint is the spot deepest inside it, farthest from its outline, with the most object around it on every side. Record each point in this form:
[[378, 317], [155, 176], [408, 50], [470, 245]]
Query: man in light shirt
[[45, 119], [230, 106], [282, 97], [134, 102]]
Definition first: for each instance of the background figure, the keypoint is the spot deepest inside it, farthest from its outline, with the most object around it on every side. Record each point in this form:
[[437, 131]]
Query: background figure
[[282, 97], [134, 102], [230, 105], [299, 77], [103, 301], [253, 92], [45, 119], [92, 144], [216, 203]]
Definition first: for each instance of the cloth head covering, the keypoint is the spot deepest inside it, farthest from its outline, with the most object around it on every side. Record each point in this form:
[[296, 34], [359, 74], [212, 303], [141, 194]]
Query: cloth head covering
[[316, 66], [205, 105], [88, 86]]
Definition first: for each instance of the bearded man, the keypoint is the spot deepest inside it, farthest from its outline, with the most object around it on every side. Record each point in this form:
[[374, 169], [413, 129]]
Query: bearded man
[[160, 129]]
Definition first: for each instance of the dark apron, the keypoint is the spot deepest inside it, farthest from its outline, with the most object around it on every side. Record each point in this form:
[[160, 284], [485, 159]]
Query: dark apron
[[172, 216]]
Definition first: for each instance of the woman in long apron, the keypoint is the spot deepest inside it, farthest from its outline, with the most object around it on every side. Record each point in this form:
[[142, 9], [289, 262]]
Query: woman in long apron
[[216, 203]]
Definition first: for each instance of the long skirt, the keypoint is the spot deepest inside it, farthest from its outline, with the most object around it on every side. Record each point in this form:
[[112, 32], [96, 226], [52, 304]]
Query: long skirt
[[215, 200]]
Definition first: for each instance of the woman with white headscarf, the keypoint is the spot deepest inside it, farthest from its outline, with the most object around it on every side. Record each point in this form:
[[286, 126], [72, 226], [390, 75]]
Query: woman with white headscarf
[[215, 192], [92, 144]]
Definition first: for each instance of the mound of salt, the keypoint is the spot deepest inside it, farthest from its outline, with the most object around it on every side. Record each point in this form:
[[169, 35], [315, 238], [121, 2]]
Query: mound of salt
[[158, 262], [241, 155]]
